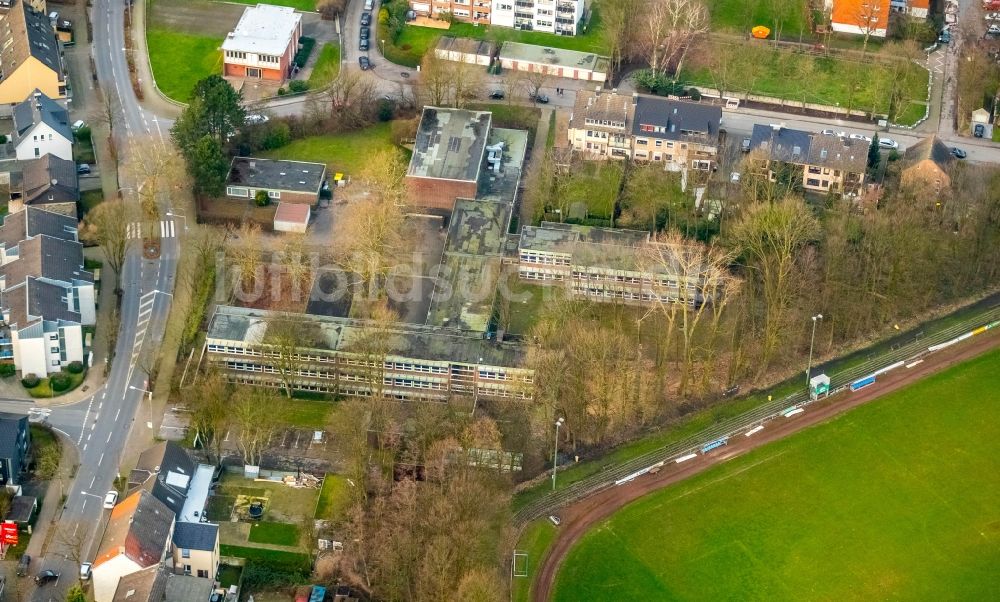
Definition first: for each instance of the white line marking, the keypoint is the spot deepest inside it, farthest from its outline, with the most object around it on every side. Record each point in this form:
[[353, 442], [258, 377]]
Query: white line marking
[[756, 429], [791, 413], [685, 458], [117, 414], [101, 459]]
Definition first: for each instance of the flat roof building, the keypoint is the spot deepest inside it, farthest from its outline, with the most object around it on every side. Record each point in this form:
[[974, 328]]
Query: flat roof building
[[264, 43], [556, 62], [284, 181], [447, 156]]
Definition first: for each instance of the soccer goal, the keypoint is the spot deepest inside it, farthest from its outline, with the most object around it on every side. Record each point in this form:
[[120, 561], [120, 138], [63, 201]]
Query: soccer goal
[[519, 564]]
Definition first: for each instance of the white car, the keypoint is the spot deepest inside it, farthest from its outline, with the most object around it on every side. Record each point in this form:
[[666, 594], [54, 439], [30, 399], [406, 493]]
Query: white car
[[834, 133], [860, 137], [110, 499], [993, 17], [85, 570], [887, 143], [554, 520], [993, 30], [255, 118]]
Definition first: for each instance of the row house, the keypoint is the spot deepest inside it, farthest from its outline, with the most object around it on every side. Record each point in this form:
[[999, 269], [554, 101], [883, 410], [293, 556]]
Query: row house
[[353, 357], [30, 56], [611, 265], [680, 134], [468, 11], [829, 164]]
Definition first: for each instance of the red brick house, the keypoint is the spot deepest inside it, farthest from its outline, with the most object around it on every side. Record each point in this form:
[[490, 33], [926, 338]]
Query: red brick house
[[264, 43]]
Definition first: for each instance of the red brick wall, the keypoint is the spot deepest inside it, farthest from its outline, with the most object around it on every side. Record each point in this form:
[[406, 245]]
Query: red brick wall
[[438, 194]]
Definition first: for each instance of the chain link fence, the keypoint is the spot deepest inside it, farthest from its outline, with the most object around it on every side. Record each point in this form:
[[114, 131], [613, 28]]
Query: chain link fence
[[739, 424]]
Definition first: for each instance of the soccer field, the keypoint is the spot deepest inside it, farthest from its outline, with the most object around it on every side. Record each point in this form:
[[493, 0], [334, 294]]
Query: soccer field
[[899, 498]]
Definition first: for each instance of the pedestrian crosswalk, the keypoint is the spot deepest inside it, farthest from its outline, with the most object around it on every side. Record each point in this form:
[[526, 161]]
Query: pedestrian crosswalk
[[167, 229]]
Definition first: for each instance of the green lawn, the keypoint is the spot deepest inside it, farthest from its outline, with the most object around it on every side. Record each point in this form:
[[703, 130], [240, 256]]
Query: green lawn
[[90, 199], [288, 559], [43, 389], [306, 413], [535, 540], [760, 69], [279, 534], [180, 60], [303, 5], [327, 67], [220, 507], [595, 185], [742, 15], [414, 41], [346, 153], [886, 501], [334, 498], [228, 575]]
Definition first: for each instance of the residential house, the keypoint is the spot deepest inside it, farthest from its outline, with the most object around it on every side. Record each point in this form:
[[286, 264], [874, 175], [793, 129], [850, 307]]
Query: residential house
[[41, 127], [284, 181], [195, 549], [414, 362], [448, 155], [605, 264], [15, 445], [465, 50], [466, 11], [861, 17], [552, 16], [48, 183], [137, 537], [291, 217], [165, 470], [186, 588], [824, 163], [680, 134], [926, 166], [29, 56], [264, 44], [555, 62], [146, 585], [46, 295]]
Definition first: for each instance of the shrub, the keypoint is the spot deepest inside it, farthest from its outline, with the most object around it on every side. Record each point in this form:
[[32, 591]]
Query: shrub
[[60, 381], [282, 91], [82, 133], [75, 367], [298, 85], [3, 139], [261, 198], [30, 381], [7, 370], [695, 93], [306, 45], [385, 110]]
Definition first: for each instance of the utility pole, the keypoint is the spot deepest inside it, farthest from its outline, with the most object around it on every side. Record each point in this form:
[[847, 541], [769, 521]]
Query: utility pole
[[812, 340], [555, 453]]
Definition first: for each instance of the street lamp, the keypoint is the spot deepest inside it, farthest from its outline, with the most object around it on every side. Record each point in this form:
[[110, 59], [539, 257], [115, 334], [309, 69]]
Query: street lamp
[[183, 217], [812, 340], [475, 388], [555, 452], [383, 47], [149, 424]]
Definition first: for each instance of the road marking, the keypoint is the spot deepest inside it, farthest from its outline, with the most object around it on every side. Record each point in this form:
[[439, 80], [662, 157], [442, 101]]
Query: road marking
[[117, 414], [92, 481], [109, 438], [93, 425], [84, 505], [99, 461]]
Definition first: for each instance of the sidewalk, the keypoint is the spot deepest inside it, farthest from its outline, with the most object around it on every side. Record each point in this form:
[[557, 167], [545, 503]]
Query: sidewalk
[[153, 100]]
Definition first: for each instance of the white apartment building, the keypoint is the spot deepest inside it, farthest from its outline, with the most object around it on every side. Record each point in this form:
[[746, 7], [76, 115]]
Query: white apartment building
[[552, 16]]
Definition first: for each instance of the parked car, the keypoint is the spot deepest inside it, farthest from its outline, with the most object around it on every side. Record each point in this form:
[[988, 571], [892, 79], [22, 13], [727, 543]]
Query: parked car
[[958, 153], [255, 118], [110, 498], [945, 37], [85, 570], [745, 145], [979, 131], [993, 30], [23, 564], [363, 46], [78, 124], [993, 17], [366, 33], [887, 143], [497, 95], [369, 4], [860, 137], [364, 63], [366, 18], [554, 520], [541, 98], [46, 576], [83, 169]]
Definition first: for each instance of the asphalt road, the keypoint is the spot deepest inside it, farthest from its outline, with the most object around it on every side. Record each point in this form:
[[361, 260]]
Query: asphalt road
[[101, 424]]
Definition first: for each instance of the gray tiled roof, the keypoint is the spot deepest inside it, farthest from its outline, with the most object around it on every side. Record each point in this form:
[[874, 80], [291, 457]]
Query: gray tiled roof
[[269, 174], [139, 528], [450, 144], [153, 470], [49, 179], [196, 536], [929, 148], [681, 120], [600, 106], [10, 426], [147, 585], [781, 144], [39, 108], [25, 33], [47, 257], [34, 221]]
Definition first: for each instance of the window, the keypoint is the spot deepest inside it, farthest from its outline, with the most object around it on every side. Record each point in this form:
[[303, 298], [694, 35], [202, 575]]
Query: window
[[53, 349], [659, 143], [274, 194], [186, 553], [203, 573], [237, 191]]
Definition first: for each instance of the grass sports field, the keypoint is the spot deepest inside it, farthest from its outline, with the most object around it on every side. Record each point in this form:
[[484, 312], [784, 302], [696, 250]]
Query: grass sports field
[[898, 498]]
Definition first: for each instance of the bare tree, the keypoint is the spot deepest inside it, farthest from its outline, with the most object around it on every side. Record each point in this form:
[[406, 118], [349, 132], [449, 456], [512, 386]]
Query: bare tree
[[245, 253], [287, 337], [372, 236], [468, 82], [385, 173], [352, 98], [669, 29], [619, 22], [437, 77], [870, 17], [512, 83], [71, 536], [108, 226], [209, 404], [535, 80], [252, 412]]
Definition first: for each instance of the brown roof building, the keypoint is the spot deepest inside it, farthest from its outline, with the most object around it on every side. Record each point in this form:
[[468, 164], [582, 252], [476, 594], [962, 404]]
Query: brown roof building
[[29, 55], [48, 182], [926, 164]]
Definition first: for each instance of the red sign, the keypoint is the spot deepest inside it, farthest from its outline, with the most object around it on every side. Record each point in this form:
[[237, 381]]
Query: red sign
[[8, 533]]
